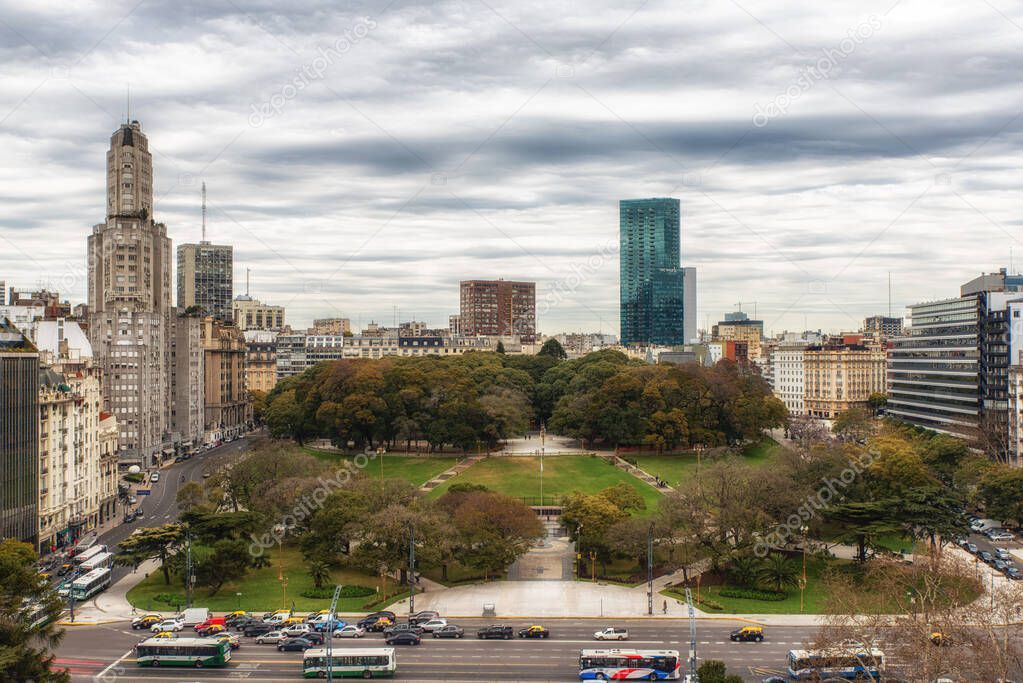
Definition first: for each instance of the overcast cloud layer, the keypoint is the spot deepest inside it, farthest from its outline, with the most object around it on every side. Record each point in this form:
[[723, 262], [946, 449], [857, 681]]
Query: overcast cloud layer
[[364, 156]]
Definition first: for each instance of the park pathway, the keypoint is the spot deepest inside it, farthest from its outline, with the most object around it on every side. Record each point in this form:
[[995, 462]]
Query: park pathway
[[548, 560], [641, 474], [454, 471]]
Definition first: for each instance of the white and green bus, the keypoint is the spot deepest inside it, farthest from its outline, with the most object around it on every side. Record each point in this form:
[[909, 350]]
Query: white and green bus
[[350, 662], [197, 652], [101, 561], [96, 581]]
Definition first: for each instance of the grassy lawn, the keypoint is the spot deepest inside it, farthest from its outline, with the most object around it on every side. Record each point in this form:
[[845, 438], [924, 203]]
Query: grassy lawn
[[519, 477], [260, 589], [416, 470], [677, 469]]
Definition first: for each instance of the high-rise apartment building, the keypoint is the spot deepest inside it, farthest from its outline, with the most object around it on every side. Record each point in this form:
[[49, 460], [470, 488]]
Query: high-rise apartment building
[[495, 308], [252, 314], [882, 327], [838, 376], [225, 397], [652, 281], [331, 326], [689, 314], [130, 299], [740, 327], [206, 278], [19, 445], [260, 360]]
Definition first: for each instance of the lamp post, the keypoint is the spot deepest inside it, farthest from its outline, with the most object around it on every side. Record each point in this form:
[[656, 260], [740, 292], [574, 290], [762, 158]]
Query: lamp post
[[802, 580], [380, 457], [543, 441], [284, 583]]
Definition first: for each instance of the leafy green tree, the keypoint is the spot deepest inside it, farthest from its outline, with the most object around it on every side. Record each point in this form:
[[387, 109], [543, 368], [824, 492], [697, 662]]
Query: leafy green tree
[[877, 401], [500, 347], [1000, 490], [192, 496], [319, 572], [744, 571], [714, 671], [285, 417], [853, 423], [151, 543], [553, 348], [778, 572], [493, 530], [26, 650], [229, 560]]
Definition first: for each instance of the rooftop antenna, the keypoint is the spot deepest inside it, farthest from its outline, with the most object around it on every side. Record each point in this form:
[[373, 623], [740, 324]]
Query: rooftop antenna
[[890, 292], [204, 212], [246, 282], [127, 112]]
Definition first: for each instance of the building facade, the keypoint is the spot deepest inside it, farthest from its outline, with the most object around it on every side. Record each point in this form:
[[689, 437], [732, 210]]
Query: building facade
[[260, 360], [19, 447], [839, 376], [331, 326], [226, 403], [739, 327], [251, 314], [882, 327], [206, 278], [497, 308], [188, 397], [652, 281], [130, 299], [787, 375]]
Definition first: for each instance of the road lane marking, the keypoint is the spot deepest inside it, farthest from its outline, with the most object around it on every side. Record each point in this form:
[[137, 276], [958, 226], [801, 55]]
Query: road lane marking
[[102, 674]]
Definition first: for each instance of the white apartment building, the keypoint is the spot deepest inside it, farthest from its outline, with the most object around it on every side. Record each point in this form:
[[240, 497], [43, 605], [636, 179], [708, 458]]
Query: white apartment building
[[788, 376]]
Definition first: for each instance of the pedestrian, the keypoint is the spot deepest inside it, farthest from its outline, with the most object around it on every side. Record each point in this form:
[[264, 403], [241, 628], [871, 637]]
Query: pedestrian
[[665, 607]]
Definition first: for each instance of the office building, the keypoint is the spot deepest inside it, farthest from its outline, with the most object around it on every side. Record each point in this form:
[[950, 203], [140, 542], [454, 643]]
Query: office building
[[495, 308], [252, 314], [130, 299], [739, 327], [689, 311], [206, 278], [841, 374], [226, 402], [882, 327], [331, 326], [652, 281], [19, 447]]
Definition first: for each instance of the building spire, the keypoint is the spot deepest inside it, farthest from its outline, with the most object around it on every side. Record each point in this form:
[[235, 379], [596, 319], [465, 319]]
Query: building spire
[[204, 211]]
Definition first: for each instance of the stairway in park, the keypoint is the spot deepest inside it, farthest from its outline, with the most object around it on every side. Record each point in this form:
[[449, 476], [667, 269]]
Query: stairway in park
[[640, 474], [454, 471]]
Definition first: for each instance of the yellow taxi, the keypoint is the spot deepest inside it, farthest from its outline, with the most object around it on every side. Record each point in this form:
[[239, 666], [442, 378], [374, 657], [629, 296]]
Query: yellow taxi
[[166, 634], [747, 634], [293, 620], [939, 638], [236, 613], [212, 630], [146, 621], [231, 638]]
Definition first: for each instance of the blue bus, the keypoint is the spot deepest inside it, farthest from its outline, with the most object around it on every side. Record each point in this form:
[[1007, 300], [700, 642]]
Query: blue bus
[[623, 665]]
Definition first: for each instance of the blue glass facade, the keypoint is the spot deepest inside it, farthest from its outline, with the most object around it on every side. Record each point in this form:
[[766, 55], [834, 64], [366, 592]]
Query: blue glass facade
[[651, 279]]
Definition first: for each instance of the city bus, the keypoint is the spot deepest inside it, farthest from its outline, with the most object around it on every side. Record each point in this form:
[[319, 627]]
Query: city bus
[[197, 652], [351, 662], [100, 561], [856, 663], [87, 555], [87, 586], [651, 665]]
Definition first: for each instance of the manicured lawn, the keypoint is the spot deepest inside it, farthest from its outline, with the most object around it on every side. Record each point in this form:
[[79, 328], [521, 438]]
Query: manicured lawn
[[519, 477], [260, 589], [677, 469], [415, 469]]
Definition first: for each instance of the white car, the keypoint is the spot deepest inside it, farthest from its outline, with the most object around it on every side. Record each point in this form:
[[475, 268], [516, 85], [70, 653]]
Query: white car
[[350, 631], [155, 477], [433, 624], [168, 625], [612, 633], [271, 638], [296, 630]]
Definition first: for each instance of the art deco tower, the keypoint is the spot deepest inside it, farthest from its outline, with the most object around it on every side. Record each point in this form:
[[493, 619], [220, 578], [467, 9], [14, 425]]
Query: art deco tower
[[130, 299]]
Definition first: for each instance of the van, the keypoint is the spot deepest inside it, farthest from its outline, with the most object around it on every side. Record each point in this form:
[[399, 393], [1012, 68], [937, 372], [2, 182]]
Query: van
[[210, 621], [195, 615]]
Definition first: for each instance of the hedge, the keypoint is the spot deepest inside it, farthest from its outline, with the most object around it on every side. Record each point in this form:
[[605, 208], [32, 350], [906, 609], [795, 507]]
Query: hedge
[[750, 594], [327, 592]]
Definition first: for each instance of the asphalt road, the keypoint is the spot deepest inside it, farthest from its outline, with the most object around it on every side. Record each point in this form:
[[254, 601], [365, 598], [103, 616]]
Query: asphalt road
[[103, 653]]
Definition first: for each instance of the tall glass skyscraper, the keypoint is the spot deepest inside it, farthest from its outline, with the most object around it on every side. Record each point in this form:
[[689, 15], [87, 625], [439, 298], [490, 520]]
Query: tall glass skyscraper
[[651, 276]]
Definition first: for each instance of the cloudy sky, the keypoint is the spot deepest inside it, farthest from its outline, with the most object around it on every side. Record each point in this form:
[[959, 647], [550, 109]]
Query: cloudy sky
[[364, 157]]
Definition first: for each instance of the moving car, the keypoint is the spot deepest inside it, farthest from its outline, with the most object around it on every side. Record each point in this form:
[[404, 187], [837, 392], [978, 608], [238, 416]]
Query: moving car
[[155, 477], [381, 624], [294, 645], [401, 628], [166, 634], [403, 638], [494, 631], [535, 631], [211, 630], [350, 631], [433, 624], [371, 619], [612, 633], [747, 634], [296, 630], [424, 616], [448, 631], [257, 629], [167, 625], [231, 638], [271, 638], [145, 621]]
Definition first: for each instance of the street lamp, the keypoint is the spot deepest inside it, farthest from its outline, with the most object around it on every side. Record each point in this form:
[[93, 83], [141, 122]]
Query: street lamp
[[802, 581], [543, 440]]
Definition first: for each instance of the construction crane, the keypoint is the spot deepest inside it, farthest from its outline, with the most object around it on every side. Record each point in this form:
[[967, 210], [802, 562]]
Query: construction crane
[[330, 631], [693, 676]]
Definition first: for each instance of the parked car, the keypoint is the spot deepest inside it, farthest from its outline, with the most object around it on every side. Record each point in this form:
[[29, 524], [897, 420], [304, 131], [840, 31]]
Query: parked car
[[167, 625], [535, 631], [403, 638], [612, 633], [971, 548], [985, 556], [433, 624], [448, 631], [296, 630], [1003, 554], [494, 631], [145, 621], [350, 631], [294, 645], [1013, 573], [271, 638], [747, 634], [424, 616], [1002, 535], [1000, 565], [154, 477], [257, 629]]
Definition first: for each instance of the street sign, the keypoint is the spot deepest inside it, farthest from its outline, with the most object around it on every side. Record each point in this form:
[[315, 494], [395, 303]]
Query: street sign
[[142, 492]]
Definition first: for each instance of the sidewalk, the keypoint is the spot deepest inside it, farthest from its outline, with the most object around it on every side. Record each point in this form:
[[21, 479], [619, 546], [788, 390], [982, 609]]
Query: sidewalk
[[112, 604]]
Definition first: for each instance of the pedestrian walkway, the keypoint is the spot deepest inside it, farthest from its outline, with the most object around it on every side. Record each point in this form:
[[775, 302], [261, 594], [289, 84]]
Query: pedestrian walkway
[[635, 471], [550, 560], [460, 467], [112, 604]]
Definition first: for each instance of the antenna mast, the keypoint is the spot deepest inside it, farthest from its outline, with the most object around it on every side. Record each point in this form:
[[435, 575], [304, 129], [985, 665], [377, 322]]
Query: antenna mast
[[246, 282], [204, 212]]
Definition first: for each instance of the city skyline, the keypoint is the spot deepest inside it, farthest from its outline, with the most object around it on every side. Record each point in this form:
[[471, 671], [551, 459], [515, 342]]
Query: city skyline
[[800, 190]]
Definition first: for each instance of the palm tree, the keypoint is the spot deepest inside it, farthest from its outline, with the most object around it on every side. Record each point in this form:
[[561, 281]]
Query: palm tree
[[319, 571], [778, 572], [743, 571]]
